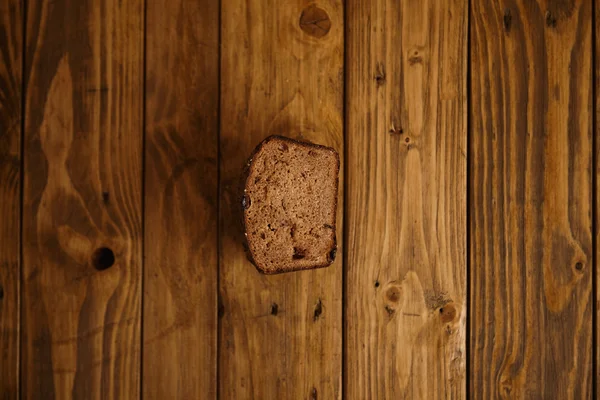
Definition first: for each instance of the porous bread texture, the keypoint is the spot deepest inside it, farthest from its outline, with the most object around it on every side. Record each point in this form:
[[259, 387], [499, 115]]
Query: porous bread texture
[[290, 204]]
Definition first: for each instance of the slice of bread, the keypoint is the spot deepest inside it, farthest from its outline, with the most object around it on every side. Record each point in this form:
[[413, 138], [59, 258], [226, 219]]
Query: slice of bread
[[289, 205]]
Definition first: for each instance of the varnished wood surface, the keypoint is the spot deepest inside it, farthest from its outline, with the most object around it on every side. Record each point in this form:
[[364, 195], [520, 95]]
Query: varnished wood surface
[[465, 265], [281, 73], [180, 269], [11, 45], [82, 192], [406, 271], [530, 200]]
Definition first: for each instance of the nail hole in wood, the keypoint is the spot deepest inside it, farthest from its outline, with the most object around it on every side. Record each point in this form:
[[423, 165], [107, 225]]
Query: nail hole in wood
[[579, 266], [380, 74], [274, 309], [507, 20], [376, 283], [103, 258], [550, 19], [313, 394], [318, 310]]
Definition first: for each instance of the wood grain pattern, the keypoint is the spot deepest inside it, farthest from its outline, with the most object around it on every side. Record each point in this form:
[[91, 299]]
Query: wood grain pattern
[[281, 73], [531, 244], [11, 49], [596, 93], [82, 192], [180, 270], [406, 206]]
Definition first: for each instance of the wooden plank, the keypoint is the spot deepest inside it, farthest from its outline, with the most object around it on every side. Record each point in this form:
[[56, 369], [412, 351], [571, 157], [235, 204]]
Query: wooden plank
[[596, 93], [281, 73], [180, 276], [531, 241], [82, 200], [11, 51], [406, 199]]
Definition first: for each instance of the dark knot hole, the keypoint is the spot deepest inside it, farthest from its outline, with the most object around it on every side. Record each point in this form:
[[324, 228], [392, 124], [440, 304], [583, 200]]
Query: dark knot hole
[[103, 258]]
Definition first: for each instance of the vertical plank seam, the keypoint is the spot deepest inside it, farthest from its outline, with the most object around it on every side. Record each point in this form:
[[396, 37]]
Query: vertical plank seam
[[218, 202], [594, 209], [467, 213], [143, 205], [21, 191], [345, 232]]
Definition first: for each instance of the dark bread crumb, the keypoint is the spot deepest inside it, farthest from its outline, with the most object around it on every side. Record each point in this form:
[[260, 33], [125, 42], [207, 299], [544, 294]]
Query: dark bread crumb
[[289, 205]]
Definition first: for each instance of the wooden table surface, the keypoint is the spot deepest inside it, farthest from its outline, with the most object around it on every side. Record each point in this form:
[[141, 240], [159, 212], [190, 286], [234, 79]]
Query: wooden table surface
[[466, 222]]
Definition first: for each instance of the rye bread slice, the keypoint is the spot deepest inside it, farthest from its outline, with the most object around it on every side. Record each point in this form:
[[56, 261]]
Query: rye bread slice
[[289, 205]]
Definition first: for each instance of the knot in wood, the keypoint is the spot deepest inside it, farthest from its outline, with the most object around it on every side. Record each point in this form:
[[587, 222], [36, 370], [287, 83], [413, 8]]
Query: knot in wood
[[393, 294], [103, 258], [550, 19], [447, 313], [315, 21]]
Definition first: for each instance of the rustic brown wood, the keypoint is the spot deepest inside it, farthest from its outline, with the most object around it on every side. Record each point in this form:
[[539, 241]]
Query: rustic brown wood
[[82, 200], [11, 50], [180, 270], [281, 73], [596, 93], [406, 206], [531, 242]]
